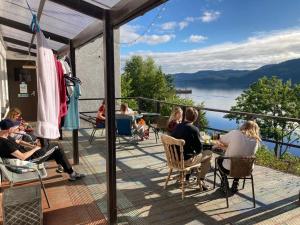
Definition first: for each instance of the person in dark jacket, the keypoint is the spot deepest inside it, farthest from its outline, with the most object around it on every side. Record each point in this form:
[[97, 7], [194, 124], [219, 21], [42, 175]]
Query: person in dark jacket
[[193, 153]]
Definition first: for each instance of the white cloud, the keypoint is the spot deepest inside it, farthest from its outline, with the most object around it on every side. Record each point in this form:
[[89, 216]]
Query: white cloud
[[273, 47], [168, 26], [129, 35], [190, 19], [156, 39], [183, 24], [209, 16], [195, 38]]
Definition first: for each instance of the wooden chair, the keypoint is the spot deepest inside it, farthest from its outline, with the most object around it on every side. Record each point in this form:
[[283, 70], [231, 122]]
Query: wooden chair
[[12, 177], [174, 154], [240, 167]]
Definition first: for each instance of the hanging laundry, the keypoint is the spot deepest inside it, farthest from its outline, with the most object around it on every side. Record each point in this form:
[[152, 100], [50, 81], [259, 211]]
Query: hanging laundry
[[62, 91], [47, 89], [72, 118], [68, 74]]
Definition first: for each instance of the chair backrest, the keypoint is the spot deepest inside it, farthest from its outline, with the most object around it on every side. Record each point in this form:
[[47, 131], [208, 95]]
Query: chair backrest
[[174, 151], [124, 125], [241, 166]]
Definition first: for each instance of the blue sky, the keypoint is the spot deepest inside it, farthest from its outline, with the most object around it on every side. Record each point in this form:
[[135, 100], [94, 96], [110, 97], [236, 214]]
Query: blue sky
[[192, 35]]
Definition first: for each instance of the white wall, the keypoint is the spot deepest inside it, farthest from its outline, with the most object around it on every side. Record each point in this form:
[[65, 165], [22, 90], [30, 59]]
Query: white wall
[[3, 81], [90, 70]]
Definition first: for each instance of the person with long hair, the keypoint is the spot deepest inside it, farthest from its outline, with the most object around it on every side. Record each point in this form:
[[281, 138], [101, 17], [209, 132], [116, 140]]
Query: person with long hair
[[175, 119], [239, 143], [14, 114]]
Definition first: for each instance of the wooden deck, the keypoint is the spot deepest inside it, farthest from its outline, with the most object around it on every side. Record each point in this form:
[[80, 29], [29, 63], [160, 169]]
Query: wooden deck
[[70, 202], [141, 173]]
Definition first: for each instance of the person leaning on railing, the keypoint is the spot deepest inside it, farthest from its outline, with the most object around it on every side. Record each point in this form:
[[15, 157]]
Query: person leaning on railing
[[238, 143], [26, 151], [193, 150]]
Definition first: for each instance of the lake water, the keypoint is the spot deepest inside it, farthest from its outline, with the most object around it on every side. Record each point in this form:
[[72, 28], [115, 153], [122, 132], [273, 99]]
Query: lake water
[[221, 99]]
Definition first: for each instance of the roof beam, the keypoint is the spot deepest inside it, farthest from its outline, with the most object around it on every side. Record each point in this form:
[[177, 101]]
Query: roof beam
[[20, 51], [25, 28], [122, 12], [18, 42], [82, 7]]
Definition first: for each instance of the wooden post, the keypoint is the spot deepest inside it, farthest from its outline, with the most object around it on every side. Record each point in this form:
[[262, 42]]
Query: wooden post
[[75, 132], [109, 71]]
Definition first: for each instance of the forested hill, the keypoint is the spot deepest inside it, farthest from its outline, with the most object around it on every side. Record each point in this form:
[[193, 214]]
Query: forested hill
[[239, 78]]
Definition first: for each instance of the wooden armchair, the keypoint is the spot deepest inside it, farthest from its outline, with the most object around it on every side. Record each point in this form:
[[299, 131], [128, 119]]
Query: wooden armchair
[[174, 154]]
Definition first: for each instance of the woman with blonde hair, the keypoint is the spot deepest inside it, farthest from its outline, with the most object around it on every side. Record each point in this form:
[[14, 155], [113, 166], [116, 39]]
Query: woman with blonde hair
[[239, 143], [175, 118], [14, 114]]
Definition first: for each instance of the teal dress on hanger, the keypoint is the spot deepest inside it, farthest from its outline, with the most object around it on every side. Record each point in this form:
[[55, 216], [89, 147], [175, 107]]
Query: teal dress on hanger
[[72, 118]]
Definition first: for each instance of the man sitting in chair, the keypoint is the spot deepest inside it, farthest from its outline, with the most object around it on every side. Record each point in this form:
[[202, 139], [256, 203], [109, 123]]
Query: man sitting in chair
[[9, 148], [193, 153]]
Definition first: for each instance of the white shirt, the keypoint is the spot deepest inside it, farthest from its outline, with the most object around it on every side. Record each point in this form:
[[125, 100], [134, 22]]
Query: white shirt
[[238, 145]]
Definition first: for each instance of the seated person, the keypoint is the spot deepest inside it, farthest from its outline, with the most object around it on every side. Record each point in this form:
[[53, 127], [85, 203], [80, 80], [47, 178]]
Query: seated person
[[238, 143], [25, 151], [100, 118], [175, 118], [14, 116], [139, 127], [193, 152]]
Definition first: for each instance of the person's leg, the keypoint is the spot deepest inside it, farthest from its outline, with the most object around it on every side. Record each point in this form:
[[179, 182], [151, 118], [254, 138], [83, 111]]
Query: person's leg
[[204, 158], [60, 158], [235, 185], [205, 163]]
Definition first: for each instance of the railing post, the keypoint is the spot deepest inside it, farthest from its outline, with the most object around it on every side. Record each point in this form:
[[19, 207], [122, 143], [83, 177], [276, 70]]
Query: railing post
[[197, 122], [158, 107], [183, 112], [139, 102]]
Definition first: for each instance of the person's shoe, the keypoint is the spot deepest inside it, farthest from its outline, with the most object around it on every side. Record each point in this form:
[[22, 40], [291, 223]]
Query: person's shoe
[[76, 176], [59, 169], [193, 179], [204, 186], [234, 187]]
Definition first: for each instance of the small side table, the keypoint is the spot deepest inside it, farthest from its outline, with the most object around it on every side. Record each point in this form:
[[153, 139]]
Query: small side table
[[22, 205]]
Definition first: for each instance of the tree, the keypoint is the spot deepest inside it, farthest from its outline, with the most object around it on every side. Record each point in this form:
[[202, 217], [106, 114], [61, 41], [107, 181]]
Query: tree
[[143, 78], [271, 96]]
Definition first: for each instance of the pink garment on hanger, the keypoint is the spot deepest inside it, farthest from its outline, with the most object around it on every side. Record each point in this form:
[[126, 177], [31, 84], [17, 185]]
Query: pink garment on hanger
[[62, 91], [48, 91]]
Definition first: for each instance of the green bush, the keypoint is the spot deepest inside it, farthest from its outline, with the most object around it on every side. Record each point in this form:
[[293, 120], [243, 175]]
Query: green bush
[[288, 163]]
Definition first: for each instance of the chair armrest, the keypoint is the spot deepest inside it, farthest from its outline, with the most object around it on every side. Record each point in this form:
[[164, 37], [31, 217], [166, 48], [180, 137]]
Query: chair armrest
[[21, 167]]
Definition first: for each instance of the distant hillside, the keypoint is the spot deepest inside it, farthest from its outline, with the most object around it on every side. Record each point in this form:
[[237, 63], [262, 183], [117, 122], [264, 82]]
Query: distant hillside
[[238, 78]]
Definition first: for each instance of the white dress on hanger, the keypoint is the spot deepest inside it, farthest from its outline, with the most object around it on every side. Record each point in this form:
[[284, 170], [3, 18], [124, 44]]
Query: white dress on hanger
[[48, 92]]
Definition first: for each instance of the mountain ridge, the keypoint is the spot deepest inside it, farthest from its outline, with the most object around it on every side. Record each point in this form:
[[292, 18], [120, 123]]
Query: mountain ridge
[[287, 70]]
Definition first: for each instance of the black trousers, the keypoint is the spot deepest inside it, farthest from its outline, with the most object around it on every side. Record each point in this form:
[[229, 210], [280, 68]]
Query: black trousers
[[52, 152], [224, 170]]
